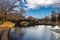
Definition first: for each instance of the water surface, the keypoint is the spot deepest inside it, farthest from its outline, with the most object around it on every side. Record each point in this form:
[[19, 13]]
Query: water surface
[[40, 32]]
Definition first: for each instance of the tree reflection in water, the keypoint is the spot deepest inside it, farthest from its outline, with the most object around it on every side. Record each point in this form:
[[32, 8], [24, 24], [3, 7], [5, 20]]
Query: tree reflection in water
[[15, 34], [40, 32]]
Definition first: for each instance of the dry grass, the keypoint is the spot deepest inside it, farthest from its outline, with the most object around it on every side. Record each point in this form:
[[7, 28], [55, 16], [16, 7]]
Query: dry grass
[[7, 24], [4, 29]]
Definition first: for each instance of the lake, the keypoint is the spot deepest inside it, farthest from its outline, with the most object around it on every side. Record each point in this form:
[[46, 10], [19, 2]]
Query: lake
[[40, 32]]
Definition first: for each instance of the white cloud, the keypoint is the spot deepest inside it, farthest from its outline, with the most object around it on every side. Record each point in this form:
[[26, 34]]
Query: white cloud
[[23, 1], [17, 3], [26, 9], [56, 5], [36, 3], [17, 10]]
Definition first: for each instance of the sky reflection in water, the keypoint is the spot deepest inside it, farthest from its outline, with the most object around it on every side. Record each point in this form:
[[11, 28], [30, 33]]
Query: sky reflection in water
[[40, 32]]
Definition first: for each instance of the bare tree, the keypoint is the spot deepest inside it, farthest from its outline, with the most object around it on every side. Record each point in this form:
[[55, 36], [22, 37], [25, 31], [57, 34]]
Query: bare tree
[[7, 6], [53, 16], [58, 17]]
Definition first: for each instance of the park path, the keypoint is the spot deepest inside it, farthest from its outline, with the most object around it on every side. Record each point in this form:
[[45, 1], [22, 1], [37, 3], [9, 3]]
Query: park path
[[4, 33]]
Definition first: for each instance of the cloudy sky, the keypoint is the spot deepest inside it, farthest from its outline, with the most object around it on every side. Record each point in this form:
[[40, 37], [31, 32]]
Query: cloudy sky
[[38, 8], [41, 8]]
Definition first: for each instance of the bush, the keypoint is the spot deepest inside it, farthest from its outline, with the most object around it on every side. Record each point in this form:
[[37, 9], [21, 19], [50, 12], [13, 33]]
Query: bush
[[55, 23]]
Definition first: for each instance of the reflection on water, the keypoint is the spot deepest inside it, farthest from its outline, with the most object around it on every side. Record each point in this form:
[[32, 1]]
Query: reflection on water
[[40, 32]]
